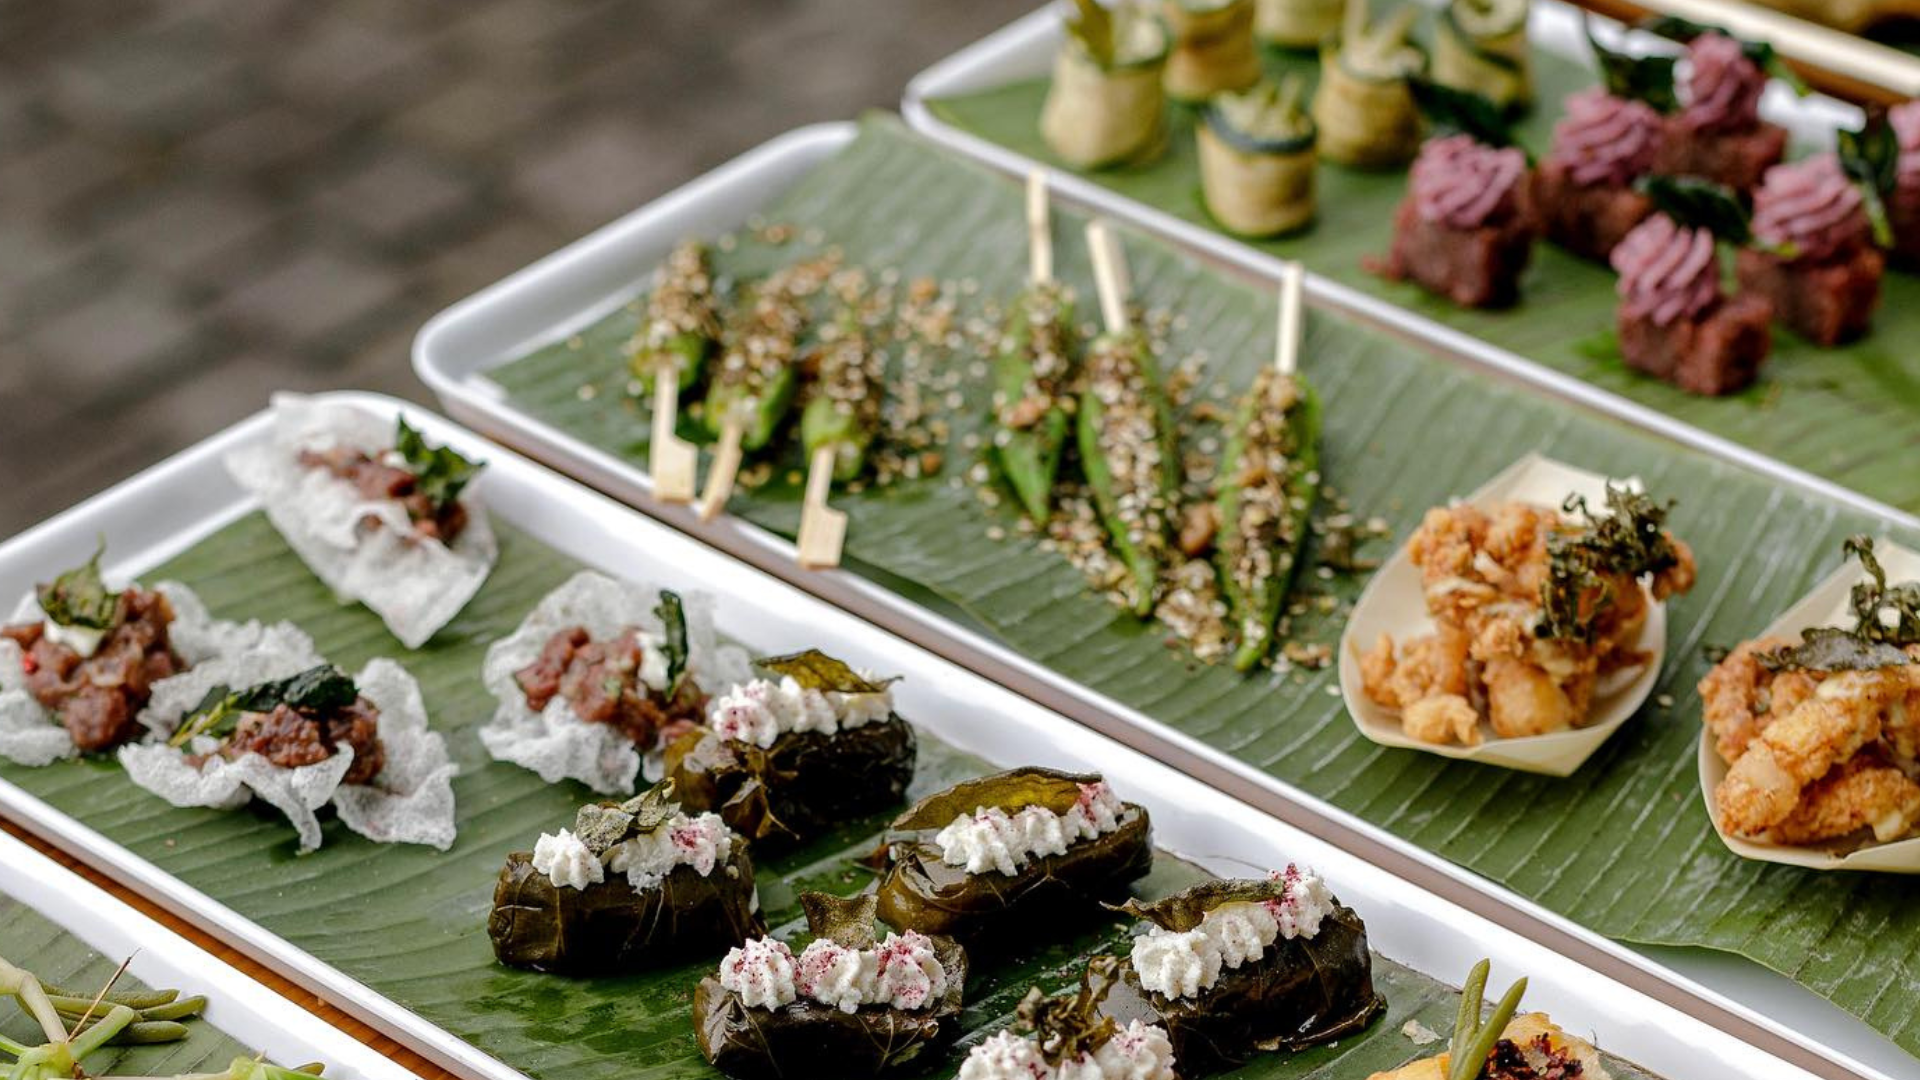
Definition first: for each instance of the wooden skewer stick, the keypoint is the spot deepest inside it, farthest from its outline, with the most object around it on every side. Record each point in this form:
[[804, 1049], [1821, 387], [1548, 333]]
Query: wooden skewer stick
[[1286, 353], [1039, 229], [1109, 274], [1831, 50], [823, 530], [726, 466], [672, 460]]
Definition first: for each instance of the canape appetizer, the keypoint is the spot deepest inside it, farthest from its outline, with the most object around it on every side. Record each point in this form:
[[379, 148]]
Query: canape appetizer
[[1903, 202], [1264, 496], [1822, 735], [1257, 160], [1213, 48], [1107, 105], [1070, 1039], [1297, 24], [1819, 267], [1033, 372], [667, 355], [1465, 229], [1127, 438], [848, 1006], [601, 674], [1717, 133], [375, 512], [1534, 608], [1504, 1046], [992, 856], [785, 760], [279, 724], [1675, 321], [758, 375], [632, 885], [1584, 191], [1364, 108], [838, 425], [1231, 969], [1481, 47]]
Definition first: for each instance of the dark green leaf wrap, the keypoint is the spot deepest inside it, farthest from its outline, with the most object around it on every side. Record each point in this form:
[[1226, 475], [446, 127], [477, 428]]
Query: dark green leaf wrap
[[809, 1039], [1027, 455], [1256, 583], [802, 785], [921, 892], [608, 927], [1301, 992]]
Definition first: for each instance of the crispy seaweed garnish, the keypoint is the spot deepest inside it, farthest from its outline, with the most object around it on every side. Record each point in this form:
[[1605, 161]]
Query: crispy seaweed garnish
[[439, 472], [605, 826], [80, 596], [847, 921], [815, 670], [1636, 78], [1871, 159], [318, 690], [1012, 791], [1067, 1027], [1184, 910], [1631, 539], [1886, 619]]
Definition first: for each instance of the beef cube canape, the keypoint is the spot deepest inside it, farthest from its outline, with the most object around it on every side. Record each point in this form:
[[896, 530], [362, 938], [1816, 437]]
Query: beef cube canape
[[1583, 190], [1818, 267], [1675, 321], [1719, 135]]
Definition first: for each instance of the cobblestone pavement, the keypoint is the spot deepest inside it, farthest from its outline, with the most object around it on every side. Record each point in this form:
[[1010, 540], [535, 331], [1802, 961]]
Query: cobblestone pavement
[[203, 201]]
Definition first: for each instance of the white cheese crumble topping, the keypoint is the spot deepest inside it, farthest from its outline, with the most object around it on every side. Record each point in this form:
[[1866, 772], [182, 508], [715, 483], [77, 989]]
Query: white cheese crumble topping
[[84, 640], [901, 972], [1180, 964], [565, 860], [702, 842], [992, 839], [760, 711], [1138, 1051]]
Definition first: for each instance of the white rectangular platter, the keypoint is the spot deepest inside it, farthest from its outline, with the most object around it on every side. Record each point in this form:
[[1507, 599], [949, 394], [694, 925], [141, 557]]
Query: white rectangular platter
[[571, 288], [167, 508], [236, 1004]]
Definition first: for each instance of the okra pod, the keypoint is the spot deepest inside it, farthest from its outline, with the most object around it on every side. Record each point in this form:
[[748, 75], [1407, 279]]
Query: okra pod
[[679, 327], [756, 379], [843, 411], [1131, 460], [1031, 396], [1264, 496]]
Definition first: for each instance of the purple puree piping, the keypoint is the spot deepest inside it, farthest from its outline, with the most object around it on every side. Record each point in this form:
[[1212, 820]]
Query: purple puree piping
[[1811, 207], [1464, 184], [1724, 86], [1605, 139], [1666, 271]]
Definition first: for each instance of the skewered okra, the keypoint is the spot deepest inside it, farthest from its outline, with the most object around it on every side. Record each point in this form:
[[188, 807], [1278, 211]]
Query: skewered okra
[[1127, 449], [1265, 496], [1031, 395], [679, 328]]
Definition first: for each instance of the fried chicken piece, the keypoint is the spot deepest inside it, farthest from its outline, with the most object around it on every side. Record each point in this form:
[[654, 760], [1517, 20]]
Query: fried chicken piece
[[1430, 666], [1522, 699], [1441, 720], [1737, 699], [1865, 792], [1764, 786], [1902, 727], [1679, 577]]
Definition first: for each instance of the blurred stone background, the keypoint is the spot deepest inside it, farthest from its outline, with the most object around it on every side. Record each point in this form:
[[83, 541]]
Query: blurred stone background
[[203, 201]]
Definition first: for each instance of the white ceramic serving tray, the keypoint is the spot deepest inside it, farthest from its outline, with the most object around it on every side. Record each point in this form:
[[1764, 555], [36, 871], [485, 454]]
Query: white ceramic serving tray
[[1024, 49], [1826, 605], [249, 1012], [580, 283], [167, 508], [1394, 602]]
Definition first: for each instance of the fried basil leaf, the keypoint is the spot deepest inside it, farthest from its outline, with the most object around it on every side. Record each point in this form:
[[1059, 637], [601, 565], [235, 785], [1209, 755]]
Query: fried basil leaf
[[1828, 648], [1871, 159], [80, 597], [1636, 78], [1012, 791], [439, 472], [1886, 619], [1066, 1028], [673, 616], [847, 921], [320, 689], [1699, 204], [1183, 910], [1452, 111], [815, 670], [604, 826], [1630, 540]]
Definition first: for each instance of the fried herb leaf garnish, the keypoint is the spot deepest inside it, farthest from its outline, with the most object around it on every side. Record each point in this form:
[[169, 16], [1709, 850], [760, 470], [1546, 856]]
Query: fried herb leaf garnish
[[1630, 539], [605, 826], [1871, 159], [1451, 111], [1092, 25], [320, 689], [1065, 1028], [1763, 55], [1636, 78], [845, 921], [815, 670], [1700, 204], [1886, 619], [80, 596], [1183, 910], [1011, 791], [673, 618], [439, 472]]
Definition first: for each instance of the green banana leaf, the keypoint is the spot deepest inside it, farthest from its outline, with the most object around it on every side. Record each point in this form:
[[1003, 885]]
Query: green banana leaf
[[1809, 408], [410, 922], [31, 941], [1624, 846]]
